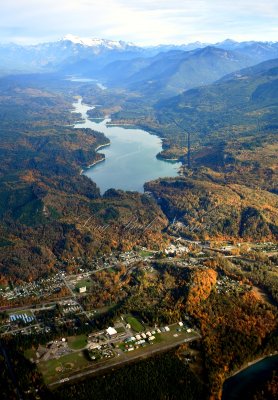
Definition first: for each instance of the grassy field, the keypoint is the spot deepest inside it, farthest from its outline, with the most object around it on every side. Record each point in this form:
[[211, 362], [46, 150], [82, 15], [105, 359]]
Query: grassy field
[[77, 342], [53, 370], [84, 282], [146, 253], [120, 329], [134, 323]]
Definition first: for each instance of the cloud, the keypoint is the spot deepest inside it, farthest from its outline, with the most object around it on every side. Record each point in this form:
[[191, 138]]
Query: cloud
[[144, 21]]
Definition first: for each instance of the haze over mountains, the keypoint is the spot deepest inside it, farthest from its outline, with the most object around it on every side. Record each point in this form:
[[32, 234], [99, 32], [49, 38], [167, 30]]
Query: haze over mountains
[[214, 110], [162, 70]]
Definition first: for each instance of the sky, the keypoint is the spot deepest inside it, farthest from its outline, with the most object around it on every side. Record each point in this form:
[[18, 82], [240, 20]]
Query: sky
[[143, 22]]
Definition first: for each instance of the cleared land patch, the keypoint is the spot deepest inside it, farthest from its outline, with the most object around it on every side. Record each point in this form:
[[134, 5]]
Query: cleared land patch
[[134, 323], [77, 342]]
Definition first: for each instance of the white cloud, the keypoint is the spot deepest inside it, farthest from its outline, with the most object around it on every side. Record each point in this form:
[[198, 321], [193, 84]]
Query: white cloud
[[144, 21]]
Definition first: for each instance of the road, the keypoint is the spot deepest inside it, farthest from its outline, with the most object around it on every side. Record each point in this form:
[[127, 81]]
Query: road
[[34, 306], [126, 358]]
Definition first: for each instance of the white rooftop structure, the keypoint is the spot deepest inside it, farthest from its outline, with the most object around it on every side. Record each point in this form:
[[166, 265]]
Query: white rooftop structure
[[144, 336], [111, 331]]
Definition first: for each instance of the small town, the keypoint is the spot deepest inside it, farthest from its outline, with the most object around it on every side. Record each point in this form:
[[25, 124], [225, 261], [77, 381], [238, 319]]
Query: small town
[[59, 304]]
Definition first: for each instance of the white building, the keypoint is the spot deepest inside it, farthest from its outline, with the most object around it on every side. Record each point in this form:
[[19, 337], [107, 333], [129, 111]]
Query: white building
[[144, 336], [111, 331]]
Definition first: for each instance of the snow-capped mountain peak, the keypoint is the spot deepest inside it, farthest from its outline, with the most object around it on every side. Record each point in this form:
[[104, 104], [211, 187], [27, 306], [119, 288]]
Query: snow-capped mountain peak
[[94, 42]]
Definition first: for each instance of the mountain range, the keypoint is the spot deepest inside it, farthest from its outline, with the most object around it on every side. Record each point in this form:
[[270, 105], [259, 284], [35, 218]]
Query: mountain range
[[79, 56], [52, 56], [175, 71]]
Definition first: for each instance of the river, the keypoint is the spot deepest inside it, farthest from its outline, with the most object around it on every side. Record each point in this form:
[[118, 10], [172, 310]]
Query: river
[[130, 160], [242, 384]]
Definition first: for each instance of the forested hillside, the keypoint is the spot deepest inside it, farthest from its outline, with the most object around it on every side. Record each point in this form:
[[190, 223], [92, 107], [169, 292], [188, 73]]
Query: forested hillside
[[44, 200], [207, 209]]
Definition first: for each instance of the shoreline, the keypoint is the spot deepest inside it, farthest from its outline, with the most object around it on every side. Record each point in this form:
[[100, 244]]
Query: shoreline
[[115, 124], [97, 148], [95, 162], [91, 165], [250, 373], [250, 363], [174, 160], [102, 145]]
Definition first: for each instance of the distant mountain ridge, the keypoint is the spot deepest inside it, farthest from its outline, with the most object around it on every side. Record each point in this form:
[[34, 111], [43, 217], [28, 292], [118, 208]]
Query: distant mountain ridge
[[155, 72], [96, 42], [52, 56], [70, 49], [173, 72]]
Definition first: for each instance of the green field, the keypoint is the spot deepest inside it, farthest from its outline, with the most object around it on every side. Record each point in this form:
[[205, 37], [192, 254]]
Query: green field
[[134, 323], [169, 336], [54, 370], [77, 342], [84, 282], [120, 329], [146, 253]]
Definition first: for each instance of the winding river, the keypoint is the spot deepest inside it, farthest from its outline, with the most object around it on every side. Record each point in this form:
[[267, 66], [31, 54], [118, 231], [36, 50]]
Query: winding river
[[130, 160]]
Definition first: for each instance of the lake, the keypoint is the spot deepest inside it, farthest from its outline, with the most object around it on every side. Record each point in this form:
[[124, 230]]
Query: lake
[[130, 160], [240, 385]]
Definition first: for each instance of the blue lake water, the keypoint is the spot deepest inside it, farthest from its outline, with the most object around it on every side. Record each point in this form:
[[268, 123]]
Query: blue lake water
[[130, 160]]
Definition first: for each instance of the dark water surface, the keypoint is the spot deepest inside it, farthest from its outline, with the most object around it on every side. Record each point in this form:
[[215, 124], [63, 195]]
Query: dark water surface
[[241, 385]]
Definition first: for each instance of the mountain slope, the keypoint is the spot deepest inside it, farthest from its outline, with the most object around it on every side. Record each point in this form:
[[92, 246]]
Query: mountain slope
[[173, 72], [189, 70], [233, 125], [205, 209], [236, 94], [258, 51]]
